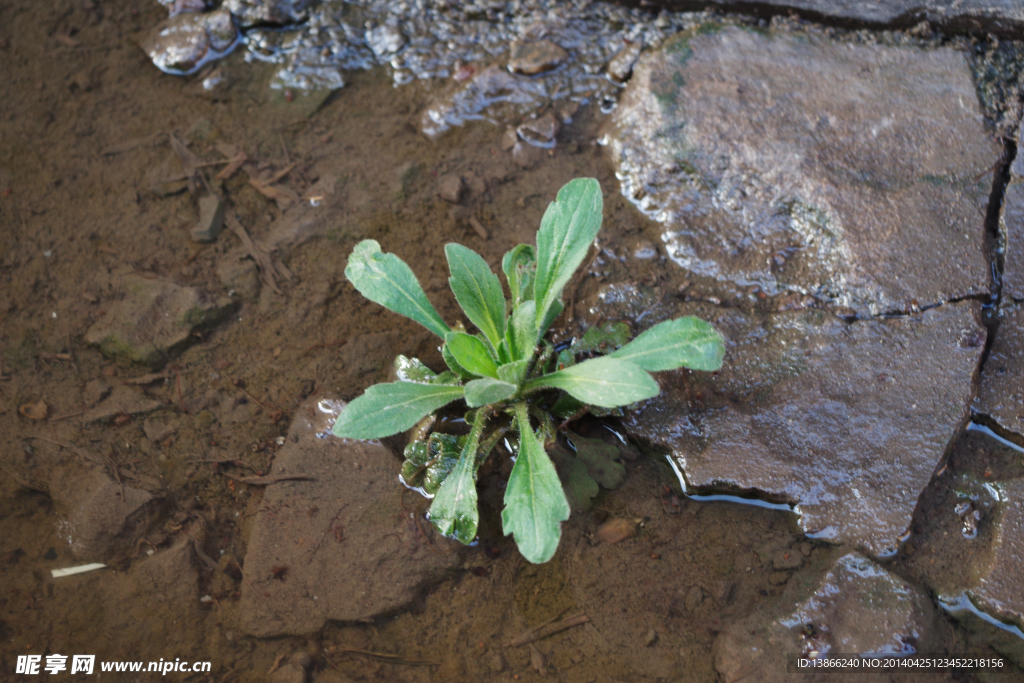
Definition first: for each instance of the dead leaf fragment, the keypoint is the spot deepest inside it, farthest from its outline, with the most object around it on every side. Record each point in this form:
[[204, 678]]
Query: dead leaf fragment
[[36, 410]]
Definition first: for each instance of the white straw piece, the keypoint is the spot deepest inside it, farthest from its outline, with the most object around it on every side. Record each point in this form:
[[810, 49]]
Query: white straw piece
[[57, 573]]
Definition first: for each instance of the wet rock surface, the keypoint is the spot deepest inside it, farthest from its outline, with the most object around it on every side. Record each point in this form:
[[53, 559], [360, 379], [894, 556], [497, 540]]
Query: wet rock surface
[[856, 607], [154, 319], [1013, 224], [810, 165], [1001, 388], [1000, 16], [186, 41], [847, 420], [347, 551], [1001, 590], [268, 12]]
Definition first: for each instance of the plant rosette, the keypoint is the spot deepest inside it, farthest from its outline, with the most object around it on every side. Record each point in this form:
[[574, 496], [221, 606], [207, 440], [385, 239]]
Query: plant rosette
[[509, 376]]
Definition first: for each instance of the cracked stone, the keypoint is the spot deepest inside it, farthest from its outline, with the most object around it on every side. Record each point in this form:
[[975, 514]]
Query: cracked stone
[[1013, 222], [154, 320], [856, 607], [811, 166], [1001, 390], [1000, 591], [846, 420], [1002, 17], [352, 500]]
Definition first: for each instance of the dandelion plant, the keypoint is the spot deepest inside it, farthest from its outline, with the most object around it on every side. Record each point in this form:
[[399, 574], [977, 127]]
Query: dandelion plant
[[507, 374]]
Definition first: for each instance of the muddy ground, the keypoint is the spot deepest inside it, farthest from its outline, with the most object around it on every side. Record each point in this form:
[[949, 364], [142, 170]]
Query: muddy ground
[[84, 130]]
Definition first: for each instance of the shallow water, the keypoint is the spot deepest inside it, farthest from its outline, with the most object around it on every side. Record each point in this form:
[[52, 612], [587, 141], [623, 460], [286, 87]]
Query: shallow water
[[78, 218]]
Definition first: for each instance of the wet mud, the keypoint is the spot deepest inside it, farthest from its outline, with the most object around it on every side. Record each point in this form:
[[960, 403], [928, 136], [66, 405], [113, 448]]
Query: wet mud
[[146, 453]]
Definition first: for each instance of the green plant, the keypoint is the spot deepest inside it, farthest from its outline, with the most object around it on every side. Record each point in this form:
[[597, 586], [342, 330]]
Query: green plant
[[508, 373]]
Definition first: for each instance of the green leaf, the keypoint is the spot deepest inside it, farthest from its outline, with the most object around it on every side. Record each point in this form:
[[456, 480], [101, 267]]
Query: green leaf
[[471, 354], [603, 339], [535, 505], [553, 313], [477, 290], [453, 512], [482, 392], [412, 370], [520, 268], [453, 364], [388, 281], [514, 372], [444, 455], [387, 409], [521, 335], [684, 342], [604, 381], [566, 406], [566, 232]]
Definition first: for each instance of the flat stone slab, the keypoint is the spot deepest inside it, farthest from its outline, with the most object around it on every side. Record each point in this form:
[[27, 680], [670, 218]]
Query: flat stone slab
[[846, 420], [1013, 224], [1001, 591], [338, 546], [1003, 17], [1001, 390], [856, 607], [798, 163], [155, 319]]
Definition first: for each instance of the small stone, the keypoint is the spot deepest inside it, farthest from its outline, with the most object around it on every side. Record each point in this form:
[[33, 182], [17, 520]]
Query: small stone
[[645, 249], [36, 410], [95, 391], [535, 58], [183, 43], [525, 155], [251, 13], [778, 578], [787, 559], [651, 638], [805, 549], [620, 67], [451, 188], [617, 529], [154, 319], [509, 139], [211, 219], [385, 40], [157, 431], [540, 132]]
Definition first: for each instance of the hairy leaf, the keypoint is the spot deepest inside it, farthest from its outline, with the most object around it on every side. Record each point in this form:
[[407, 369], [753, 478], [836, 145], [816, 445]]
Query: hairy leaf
[[387, 409], [413, 370], [388, 281], [606, 382], [453, 365], [482, 392], [521, 335], [566, 232], [514, 372], [535, 505], [471, 354], [520, 267], [603, 339], [477, 290], [684, 342]]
